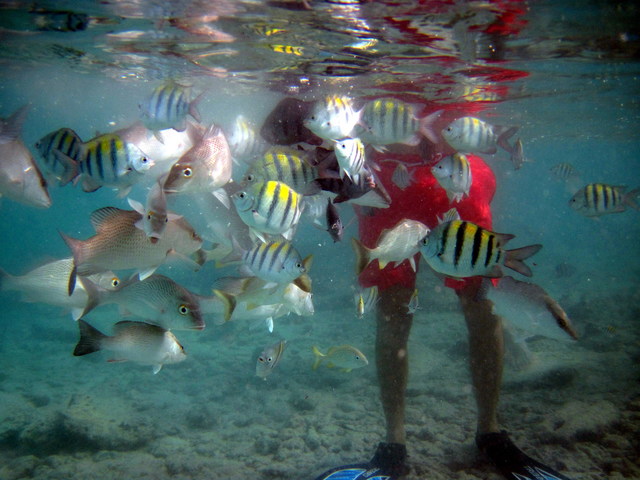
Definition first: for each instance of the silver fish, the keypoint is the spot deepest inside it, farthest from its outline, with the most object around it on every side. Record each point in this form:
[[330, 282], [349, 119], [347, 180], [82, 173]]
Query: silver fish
[[277, 262], [529, 308], [119, 245], [472, 135], [453, 173], [333, 117], [344, 357], [155, 216], [20, 177], [351, 157], [270, 358], [137, 342], [245, 142]]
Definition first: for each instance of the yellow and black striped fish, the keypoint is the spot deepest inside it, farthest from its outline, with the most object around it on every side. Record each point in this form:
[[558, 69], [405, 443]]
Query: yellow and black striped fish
[[65, 141], [463, 249], [598, 199], [269, 207], [389, 120], [285, 165], [288, 49], [277, 262]]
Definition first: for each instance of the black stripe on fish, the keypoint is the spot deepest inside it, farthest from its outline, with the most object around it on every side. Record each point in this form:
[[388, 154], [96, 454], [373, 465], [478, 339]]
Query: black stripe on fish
[[477, 246], [490, 245], [263, 254], [459, 246], [274, 203], [443, 240]]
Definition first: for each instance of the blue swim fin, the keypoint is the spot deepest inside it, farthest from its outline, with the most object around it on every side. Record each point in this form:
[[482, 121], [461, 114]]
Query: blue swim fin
[[388, 463]]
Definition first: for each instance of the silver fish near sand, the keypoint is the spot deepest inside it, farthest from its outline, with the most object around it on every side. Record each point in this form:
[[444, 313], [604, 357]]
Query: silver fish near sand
[[20, 177], [529, 308], [395, 245], [270, 358], [463, 249], [157, 299], [120, 245], [344, 357], [206, 167], [49, 284], [136, 342]]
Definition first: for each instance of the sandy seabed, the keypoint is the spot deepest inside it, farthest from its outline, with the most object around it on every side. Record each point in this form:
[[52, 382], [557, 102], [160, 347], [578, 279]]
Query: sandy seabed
[[576, 408]]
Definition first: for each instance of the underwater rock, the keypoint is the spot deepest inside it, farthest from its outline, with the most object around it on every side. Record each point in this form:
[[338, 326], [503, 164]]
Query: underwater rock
[[581, 421]]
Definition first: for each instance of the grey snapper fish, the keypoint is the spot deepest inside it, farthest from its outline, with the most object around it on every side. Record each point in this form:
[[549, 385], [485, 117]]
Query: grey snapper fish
[[402, 242], [344, 357], [529, 308], [463, 249], [137, 342], [20, 177], [206, 167], [157, 299], [596, 199], [120, 245], [269, 359], [48, 284]]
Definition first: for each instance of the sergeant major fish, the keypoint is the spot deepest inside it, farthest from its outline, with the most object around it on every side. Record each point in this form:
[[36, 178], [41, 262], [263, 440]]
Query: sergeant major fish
[[596, 199], [453, 173], [463, 249], [286, 165], [277, 262], [333, 117], [20, 177], [67, 142], [137, 342], [168, 107], [351, 157]]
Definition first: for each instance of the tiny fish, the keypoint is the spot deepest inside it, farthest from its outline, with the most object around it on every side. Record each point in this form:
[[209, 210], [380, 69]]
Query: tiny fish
[[453, 173], [333, 117], [598, 199], [334, 223], [168, 107], [401, 176], [463, 249], [344, 357], [288, 49], [395, 245], [413, 305], [564, 171], [365, 300], [20, 177], [137, 342], [270, 358]]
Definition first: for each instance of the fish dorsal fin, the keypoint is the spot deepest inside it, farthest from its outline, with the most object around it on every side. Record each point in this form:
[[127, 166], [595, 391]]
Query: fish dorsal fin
[[107, 215]]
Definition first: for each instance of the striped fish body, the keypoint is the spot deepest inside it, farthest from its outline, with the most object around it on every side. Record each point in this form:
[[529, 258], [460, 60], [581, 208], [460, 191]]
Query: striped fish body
[[120, 245], [205, 167], [277, 262], [387, 121], [245, 143], [453, 173], [597, 199], [351, 157], [284, 165], [109, 161], [463, 249], [333, 117], [269, 207], [168, 107], [54, 165], [471, 135]]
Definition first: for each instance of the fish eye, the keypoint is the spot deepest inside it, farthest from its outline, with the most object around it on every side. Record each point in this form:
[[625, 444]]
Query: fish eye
[[298, 265], [250, 178], [242, 195], [149, 215], [183, 309], [166, 219], [187, 172], [313, 117], [144, 159], [115, 281], [270, 359], [261, 360]]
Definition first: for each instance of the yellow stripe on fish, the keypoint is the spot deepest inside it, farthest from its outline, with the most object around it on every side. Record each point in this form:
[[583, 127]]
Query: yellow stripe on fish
[[597, 199]]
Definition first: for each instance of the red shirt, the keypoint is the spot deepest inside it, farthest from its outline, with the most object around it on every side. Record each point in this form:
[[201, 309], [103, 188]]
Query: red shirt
[[424, 200]]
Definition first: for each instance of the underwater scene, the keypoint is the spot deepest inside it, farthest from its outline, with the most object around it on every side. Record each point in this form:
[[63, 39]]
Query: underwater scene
[[267, 240]]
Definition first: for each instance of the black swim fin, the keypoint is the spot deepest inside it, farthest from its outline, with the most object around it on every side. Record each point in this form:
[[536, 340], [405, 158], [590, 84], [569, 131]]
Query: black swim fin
[[388, 463], [512, 462]]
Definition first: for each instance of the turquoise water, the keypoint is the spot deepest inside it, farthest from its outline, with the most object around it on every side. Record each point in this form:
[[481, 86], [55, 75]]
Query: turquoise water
[[566, 73]]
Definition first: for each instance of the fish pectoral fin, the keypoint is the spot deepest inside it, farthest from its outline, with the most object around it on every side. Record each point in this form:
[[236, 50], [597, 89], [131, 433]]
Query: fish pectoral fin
[[116, 360], [222, 195], [157, 368], [147, 273]]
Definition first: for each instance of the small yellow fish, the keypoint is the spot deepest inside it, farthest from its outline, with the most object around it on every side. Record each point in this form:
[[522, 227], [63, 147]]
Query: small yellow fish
[[345, 357], [288, 49]]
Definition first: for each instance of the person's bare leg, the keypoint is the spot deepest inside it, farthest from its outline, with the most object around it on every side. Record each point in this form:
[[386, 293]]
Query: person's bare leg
[[393, 327], [486, 351]]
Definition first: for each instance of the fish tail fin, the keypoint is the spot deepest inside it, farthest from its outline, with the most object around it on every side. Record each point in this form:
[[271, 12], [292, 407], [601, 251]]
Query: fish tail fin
[[426, 126], [517, 155], [319, 356], [514, 258], [193, 107], [94, 296], [75, 247], [363, 255], [630, 198], [503, 139], [229, 302], [90, 339], [5, 280]]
